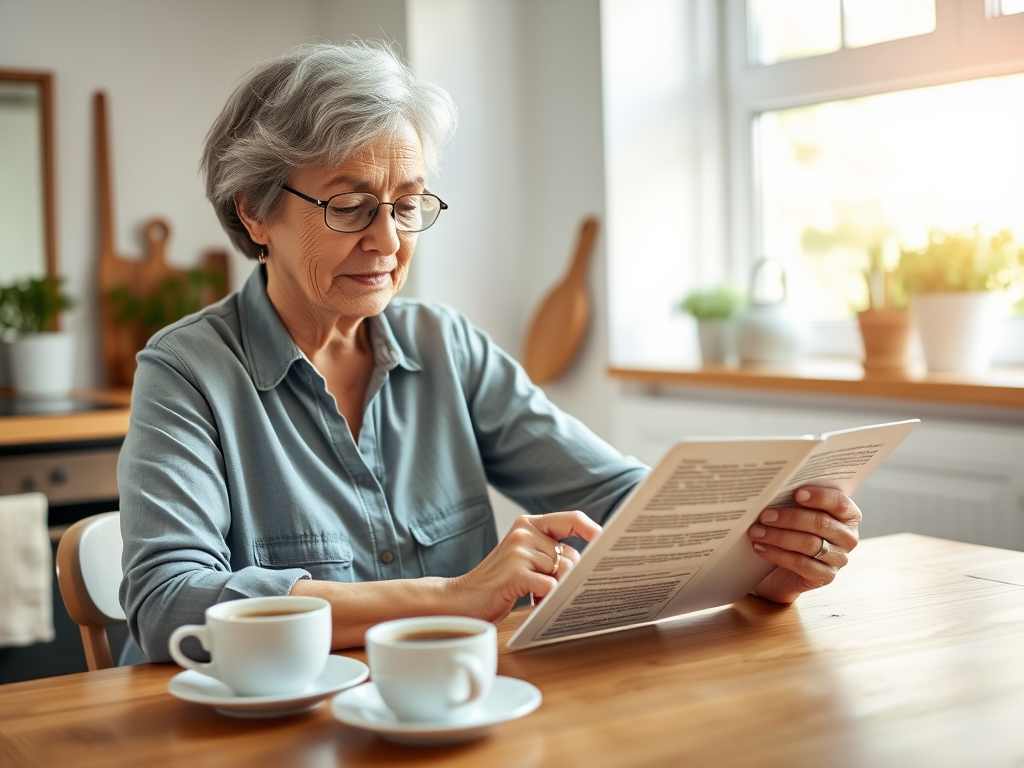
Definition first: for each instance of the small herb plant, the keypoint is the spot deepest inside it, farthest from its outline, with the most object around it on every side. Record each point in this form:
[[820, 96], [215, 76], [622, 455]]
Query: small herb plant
[[961, 262], [175, 297], [719, 303], [32, 305]]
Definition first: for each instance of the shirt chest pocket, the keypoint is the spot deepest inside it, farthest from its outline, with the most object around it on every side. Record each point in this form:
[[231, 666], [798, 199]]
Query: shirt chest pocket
[[453, 541], [327, 556]]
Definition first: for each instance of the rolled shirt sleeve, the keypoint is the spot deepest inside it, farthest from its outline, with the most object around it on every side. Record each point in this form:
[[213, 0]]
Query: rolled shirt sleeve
[[176, 511]]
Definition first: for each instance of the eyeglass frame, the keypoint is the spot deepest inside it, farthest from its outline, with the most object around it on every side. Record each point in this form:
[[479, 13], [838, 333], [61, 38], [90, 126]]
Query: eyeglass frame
[[324, 203]]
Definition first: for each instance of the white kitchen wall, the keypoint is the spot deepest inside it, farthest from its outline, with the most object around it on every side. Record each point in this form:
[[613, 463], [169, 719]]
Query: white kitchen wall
[[525, 167]]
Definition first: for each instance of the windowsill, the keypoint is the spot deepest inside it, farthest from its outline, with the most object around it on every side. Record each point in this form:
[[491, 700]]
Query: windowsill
[[1000, 387]]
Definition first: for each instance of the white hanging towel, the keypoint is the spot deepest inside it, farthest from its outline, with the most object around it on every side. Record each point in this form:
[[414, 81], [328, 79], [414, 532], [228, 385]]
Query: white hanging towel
[[26, 571]]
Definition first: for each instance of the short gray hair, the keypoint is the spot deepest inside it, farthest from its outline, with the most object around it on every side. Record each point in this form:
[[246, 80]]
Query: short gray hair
[[314, 106]]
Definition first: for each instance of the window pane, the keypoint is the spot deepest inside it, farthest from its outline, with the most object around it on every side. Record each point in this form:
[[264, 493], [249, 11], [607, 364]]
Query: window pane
[[793, 29], [840, 177], [1007, 7], [866, 22]]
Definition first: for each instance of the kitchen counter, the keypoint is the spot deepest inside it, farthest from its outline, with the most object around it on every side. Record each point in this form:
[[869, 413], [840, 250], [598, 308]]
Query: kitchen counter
[[66, 424]]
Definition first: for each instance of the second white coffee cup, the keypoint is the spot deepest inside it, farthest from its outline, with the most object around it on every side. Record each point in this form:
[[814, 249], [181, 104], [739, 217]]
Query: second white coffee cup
[[261, 646], [433, 668]]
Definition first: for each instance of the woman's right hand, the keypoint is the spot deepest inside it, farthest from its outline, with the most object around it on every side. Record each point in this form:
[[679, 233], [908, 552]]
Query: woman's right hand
[[521, 564]]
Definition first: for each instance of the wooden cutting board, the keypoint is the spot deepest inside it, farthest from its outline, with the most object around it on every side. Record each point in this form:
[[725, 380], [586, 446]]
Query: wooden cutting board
[[560, 321]]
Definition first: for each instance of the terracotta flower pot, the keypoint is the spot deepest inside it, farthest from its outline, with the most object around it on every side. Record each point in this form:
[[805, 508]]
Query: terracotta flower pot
[[886, 334]]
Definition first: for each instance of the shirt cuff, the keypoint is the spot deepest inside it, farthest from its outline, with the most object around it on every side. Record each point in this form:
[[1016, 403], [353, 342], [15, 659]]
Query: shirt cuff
[[261, 582]]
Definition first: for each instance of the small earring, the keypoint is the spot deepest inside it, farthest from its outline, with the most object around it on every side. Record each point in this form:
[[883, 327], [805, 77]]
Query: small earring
[[263, 256]]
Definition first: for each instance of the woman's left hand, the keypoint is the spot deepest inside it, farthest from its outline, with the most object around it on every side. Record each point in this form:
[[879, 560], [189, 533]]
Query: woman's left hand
[[809, 543]]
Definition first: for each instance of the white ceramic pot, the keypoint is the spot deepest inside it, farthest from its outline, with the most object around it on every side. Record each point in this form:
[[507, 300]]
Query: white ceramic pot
[[42, 364], [715, 337], [957, 330]]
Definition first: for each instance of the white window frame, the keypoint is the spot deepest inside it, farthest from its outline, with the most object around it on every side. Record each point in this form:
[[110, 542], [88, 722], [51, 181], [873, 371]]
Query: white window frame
[[967, 44]]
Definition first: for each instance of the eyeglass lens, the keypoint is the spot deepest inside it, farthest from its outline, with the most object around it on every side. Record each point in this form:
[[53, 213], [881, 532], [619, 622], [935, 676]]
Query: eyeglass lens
[[353, 211]]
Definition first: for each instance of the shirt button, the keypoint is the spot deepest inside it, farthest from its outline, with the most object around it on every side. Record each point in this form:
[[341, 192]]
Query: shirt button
[[386, 557]]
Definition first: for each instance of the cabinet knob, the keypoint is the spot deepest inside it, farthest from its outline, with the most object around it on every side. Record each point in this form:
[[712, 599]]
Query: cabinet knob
[[28, 483], [60, 475]]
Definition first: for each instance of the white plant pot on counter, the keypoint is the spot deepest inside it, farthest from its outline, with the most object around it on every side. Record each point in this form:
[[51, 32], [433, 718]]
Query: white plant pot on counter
[[715, 338], [957, 330], [42, 364]]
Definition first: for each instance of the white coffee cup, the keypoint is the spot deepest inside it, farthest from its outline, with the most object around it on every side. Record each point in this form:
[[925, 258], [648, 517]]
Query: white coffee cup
[[433, 668], [261, 646]]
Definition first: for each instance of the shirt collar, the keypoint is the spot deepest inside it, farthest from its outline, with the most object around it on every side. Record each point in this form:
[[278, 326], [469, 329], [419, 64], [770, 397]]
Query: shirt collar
[[271, 350]]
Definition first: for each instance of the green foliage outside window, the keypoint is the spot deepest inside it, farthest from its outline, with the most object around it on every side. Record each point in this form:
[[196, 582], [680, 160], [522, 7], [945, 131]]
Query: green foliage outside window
[[961, 262]]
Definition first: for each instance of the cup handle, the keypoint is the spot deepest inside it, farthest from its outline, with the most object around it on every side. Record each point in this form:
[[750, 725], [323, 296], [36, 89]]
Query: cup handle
[[202, 634], [474, 670]]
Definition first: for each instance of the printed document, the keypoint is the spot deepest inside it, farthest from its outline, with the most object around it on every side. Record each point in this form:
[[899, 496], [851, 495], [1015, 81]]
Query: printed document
[[679, 543]]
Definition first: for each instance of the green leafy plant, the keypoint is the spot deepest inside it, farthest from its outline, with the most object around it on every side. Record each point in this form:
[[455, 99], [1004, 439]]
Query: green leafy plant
[[172, 299], [961, 262], [32, 305], [718, 303]]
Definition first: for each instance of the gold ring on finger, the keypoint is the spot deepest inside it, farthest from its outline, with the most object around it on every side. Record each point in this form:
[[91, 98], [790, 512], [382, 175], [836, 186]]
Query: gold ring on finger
[[825, 549], [558, 559]]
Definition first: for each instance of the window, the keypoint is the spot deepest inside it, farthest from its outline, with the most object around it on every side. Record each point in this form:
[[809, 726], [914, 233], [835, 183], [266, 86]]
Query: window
[[868, 127], [839, 178], [805, 130], [1005, 7], [783, 30]]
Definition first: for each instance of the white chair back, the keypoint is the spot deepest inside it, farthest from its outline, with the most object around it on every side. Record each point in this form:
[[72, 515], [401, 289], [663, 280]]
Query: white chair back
[[89, 576]]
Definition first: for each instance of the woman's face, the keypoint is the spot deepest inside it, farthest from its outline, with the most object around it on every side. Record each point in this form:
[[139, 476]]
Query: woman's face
[[313, 269]]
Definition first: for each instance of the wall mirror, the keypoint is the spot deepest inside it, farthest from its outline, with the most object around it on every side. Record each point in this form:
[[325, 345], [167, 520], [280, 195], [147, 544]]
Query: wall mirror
[[27, 228]]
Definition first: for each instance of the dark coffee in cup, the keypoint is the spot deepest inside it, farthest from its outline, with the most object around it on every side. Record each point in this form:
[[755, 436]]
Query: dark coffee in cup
[[427, 635], [267, 614]]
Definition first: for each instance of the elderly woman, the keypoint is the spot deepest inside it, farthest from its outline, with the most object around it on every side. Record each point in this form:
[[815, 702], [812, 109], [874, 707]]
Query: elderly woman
[[312, 434]]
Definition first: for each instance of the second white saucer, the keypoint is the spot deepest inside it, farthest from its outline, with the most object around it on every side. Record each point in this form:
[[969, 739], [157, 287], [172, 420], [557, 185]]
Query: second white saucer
[[339, 673], [362, 707]]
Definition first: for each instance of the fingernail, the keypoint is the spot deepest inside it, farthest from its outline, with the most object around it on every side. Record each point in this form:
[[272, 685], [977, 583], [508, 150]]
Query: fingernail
[[769, 516], [802, 495], [760, 548], [758, 531]]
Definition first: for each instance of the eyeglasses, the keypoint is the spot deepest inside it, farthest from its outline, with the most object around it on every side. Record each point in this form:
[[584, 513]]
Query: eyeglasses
[[355, 211]]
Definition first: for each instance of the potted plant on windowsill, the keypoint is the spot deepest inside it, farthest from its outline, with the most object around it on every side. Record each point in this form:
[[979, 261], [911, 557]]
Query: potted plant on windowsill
[[41, 359], [957, 287], [885, 326], [713, 309]]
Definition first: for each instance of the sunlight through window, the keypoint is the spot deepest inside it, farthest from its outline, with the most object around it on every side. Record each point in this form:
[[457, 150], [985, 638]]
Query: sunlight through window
[[783, 30], [839, 177], [866, 22]]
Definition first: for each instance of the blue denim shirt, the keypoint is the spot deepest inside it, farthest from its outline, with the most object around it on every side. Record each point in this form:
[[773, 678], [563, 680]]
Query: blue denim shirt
[[239, 476]]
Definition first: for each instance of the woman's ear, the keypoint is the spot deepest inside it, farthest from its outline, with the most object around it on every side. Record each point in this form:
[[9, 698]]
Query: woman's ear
[[256, 229]]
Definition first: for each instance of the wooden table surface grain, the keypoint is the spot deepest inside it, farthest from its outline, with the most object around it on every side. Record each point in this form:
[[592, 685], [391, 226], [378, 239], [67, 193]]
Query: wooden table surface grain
[[913, 657]]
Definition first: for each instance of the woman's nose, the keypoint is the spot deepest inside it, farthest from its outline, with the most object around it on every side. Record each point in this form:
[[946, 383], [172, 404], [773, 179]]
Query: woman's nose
[[382, 234]]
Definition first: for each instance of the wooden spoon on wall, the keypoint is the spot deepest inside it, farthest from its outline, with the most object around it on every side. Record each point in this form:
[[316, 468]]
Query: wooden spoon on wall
[[561, 319]]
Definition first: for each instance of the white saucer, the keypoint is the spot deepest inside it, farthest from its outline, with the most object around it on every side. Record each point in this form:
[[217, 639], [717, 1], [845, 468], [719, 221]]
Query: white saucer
[[362, 707], [340, 672]]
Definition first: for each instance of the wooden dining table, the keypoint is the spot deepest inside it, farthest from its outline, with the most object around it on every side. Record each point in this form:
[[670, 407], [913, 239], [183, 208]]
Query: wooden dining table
[[913, 656]]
